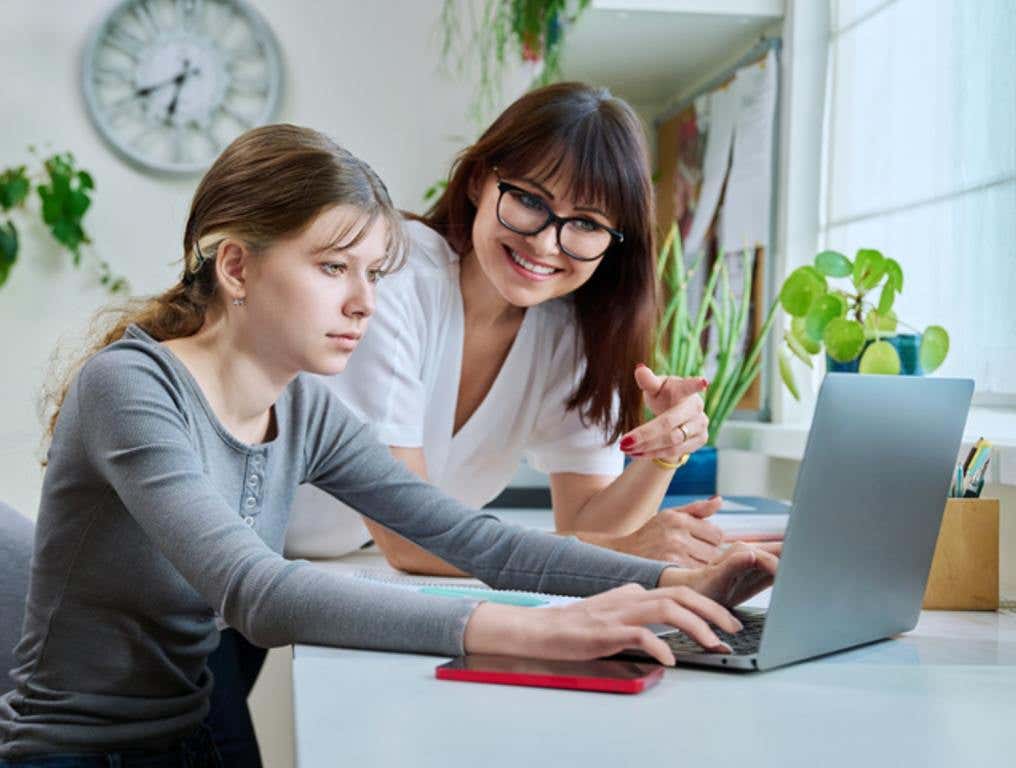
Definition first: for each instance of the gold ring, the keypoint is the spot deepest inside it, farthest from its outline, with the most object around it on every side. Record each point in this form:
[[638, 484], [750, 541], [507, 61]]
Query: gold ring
[[684, 432]]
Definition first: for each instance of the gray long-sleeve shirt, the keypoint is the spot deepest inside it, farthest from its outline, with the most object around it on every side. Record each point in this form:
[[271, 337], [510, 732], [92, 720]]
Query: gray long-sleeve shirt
[[153, 518]]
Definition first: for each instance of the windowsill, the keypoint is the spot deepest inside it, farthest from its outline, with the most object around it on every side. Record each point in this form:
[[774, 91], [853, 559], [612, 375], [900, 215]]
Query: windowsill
[[787, 441]]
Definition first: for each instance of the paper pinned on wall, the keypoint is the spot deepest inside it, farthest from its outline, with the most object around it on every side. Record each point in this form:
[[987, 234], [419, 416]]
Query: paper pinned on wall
[[715, 163], [745, 221]]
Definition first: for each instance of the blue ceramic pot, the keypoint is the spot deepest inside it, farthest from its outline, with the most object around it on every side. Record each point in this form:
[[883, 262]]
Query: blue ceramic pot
[[908, 347], [697, 477]]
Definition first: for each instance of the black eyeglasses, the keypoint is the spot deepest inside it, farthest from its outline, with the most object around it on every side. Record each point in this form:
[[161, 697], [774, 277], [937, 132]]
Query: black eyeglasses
[[579, 238]]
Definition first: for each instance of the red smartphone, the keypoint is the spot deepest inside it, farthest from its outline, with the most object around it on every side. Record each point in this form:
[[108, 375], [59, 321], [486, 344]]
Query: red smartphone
[[605, 675]]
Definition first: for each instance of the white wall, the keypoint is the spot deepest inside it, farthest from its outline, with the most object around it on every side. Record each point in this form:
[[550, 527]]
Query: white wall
[[366, 73]]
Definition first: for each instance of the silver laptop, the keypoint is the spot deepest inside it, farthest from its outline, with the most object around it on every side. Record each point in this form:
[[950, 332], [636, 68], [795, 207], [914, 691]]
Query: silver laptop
[[863, 524]]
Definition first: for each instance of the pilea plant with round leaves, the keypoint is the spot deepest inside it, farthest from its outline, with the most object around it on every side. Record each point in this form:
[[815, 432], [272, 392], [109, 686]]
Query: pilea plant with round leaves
[[845, 320]]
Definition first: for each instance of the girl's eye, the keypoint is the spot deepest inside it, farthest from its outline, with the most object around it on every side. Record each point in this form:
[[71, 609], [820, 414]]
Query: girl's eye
[[375, 275], [333, 268]]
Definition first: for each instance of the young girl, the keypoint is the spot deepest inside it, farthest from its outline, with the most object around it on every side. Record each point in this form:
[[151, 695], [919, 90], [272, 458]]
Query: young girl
[[176, 452], [518, 329]]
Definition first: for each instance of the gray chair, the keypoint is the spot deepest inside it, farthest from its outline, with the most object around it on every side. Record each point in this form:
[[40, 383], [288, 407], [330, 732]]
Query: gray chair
[[16, 534]]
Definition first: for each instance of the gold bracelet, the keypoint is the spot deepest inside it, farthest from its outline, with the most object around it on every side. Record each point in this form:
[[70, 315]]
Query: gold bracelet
[[670, 465]]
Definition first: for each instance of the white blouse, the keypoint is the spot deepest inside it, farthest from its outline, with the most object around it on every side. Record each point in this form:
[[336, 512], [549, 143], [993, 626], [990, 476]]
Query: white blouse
[[403, 379]]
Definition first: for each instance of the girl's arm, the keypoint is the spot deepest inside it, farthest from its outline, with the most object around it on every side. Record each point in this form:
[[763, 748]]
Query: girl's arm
[[401, 553]]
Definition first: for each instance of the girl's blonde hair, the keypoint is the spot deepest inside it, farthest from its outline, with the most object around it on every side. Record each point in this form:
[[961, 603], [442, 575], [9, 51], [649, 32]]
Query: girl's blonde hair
[[270, 183]]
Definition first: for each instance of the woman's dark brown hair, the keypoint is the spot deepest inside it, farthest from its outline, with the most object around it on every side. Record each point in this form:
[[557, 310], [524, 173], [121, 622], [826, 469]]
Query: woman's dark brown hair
[[595, 144], [270, 183]]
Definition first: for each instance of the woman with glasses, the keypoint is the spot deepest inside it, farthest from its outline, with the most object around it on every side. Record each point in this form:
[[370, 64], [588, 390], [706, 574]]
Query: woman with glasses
[[519, 330]]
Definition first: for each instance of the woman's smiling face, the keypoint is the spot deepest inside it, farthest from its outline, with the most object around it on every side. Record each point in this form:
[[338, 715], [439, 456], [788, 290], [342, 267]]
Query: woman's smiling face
[[529, 269]]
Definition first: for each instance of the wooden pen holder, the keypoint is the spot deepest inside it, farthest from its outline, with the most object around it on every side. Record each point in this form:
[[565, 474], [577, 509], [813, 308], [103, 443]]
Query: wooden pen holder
[[964, 571]]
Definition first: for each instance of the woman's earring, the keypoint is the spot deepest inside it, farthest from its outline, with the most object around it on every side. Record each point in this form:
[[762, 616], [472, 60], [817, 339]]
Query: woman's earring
[[239, 301]]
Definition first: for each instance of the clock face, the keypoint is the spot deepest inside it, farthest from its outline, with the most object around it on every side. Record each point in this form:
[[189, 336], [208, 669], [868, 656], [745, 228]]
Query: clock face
[[169, 83]]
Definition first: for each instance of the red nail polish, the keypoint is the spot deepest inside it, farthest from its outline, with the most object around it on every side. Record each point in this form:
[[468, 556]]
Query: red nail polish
[[628, 443], [636, 455], [705, 383], [640, 365]]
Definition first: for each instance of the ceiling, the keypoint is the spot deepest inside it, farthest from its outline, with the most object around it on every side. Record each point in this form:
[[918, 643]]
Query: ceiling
[[649, 57]]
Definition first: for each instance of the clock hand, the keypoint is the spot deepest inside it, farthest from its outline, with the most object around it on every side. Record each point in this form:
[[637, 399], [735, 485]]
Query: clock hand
[[178, 78], [178, 82]]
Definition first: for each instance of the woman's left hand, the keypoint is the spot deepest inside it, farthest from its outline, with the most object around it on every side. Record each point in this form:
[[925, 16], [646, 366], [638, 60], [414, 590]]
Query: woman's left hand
[[681, 425]]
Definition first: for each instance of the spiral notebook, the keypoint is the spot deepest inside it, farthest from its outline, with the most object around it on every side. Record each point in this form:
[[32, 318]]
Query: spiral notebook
[[462, 589]]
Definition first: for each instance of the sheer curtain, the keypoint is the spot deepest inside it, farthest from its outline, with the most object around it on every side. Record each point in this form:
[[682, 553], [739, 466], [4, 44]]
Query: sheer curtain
[[920, 163]]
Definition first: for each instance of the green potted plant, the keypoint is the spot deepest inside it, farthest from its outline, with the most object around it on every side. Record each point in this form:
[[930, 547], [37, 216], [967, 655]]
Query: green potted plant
[[528, 30], [690, 342], [65, 194], [857, 333]]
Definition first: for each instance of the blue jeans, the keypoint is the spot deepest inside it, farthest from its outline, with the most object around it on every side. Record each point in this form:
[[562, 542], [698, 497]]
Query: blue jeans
[[194, 751], [235, 664]]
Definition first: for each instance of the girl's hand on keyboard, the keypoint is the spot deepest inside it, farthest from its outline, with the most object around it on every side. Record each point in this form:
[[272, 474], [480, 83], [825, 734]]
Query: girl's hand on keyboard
[[743, 571], [601, 625]]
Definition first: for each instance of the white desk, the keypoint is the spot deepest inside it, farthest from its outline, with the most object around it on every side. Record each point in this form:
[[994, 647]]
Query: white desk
[[942, 695]]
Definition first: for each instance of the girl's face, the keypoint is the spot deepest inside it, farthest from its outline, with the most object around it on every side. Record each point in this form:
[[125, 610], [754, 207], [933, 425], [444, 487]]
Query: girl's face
[[530, 269], [309, 299]]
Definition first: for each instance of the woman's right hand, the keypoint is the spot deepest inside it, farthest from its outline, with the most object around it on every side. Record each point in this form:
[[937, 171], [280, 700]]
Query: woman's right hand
[[679, 535], [598, 626]]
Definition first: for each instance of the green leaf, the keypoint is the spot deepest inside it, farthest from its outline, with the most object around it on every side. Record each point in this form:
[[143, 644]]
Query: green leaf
[[877, 325], [77, 203], [787, 374], [880, 357], [895, 272], [14, 187], [52, 206], [86, 182], [833, 264], [801, 289], [812, 346], [869, 269], [844, 339], [824, 310], [8, 249], [68, 233], [798, 349], [934, 347], [885, 301]]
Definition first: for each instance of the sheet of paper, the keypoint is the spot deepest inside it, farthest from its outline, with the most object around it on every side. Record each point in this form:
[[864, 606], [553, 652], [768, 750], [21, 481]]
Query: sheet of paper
[[745, 220], [751, 527], [715, 162]]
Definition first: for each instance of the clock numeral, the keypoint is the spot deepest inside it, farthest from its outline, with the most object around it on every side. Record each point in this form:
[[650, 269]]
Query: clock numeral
[[143, 13], [111, 75], [190, 14], [212, 141], [126, 43], [247, 85], [251, 52], [230, 112], [123, 105], [179, 151]]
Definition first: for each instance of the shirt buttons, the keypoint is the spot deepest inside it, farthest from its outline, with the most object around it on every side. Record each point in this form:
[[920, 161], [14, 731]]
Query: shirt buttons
[[250, 502], [258, 460], [249, 520], [253, 481]]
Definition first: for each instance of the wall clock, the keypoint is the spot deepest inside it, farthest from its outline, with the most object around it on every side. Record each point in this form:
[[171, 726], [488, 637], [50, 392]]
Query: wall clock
[[169, 83]]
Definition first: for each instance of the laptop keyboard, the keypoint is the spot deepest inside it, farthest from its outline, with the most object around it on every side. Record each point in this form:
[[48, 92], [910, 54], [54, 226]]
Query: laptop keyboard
[[744, 643]]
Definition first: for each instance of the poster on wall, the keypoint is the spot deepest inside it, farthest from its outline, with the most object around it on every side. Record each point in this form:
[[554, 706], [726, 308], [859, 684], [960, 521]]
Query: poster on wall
[[715, 181]]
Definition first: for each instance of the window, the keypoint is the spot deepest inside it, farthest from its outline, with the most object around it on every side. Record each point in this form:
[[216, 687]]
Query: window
[[919, 162]]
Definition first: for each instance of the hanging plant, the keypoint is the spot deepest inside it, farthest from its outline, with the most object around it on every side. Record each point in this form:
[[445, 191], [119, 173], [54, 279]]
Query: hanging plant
[[65, 195], [527, 30]]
